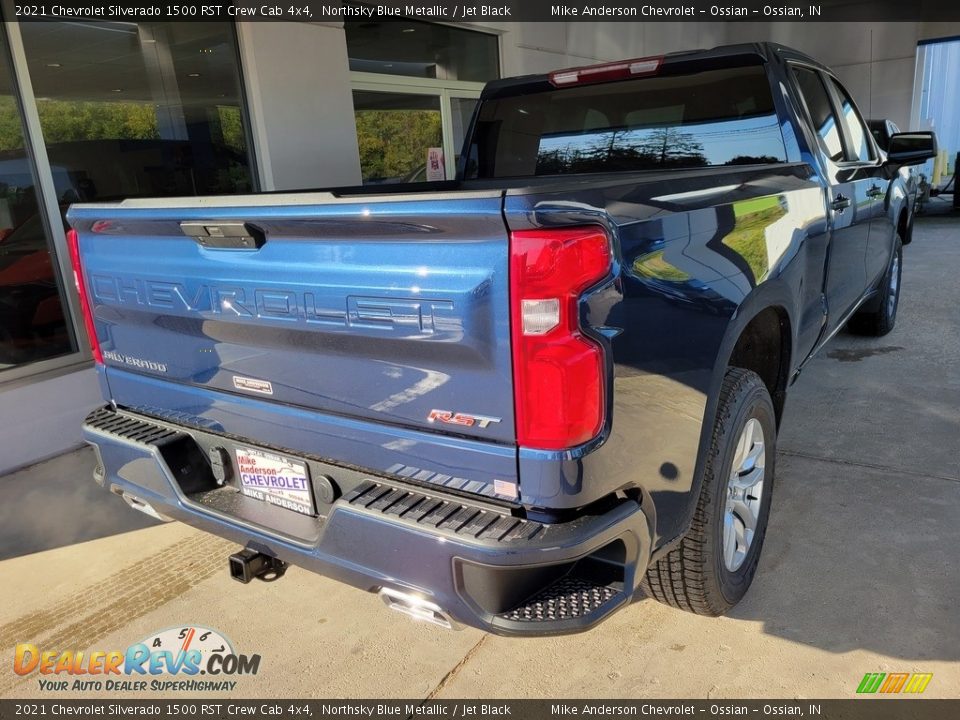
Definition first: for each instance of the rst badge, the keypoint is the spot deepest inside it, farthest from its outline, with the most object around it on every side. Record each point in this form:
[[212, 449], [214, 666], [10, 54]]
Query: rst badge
[[464, 419]]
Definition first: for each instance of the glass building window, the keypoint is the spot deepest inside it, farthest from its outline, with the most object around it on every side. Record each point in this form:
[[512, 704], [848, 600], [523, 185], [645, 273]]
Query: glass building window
[[422, 50], [415, 86], [395, 132], [139, 109], [33, 323]]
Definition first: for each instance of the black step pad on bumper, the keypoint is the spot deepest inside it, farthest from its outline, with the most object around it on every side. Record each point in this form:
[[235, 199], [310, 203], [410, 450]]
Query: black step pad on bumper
[[460, 518], [568, 598], [108, 420]]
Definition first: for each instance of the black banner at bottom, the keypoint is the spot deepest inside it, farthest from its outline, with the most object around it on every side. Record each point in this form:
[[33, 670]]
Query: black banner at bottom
[[866, 708]]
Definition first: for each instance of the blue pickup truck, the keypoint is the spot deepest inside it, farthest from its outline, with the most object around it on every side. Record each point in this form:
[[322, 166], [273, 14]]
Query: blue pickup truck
[[521, 398]]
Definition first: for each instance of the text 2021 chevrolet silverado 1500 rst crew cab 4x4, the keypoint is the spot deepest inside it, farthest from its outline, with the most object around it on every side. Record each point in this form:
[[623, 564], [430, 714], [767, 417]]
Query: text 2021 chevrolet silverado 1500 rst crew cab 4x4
[[513, 399]]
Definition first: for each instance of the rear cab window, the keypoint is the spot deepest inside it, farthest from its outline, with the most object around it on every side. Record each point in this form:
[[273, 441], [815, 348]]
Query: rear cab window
[[709, 118]]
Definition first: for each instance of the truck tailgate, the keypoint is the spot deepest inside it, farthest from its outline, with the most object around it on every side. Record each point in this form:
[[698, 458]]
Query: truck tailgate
[[374, 308]]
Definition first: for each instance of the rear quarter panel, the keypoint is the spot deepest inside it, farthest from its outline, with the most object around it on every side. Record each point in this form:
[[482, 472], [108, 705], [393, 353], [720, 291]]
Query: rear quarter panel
[[698, 254]]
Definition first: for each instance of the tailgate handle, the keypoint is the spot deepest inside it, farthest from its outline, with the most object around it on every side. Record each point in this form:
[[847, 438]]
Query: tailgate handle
[[225, 235]]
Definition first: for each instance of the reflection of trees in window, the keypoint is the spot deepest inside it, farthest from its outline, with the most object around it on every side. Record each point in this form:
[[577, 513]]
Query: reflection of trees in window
[[83, 121], [752, 160], [11, 135], [66, 121], [622, 150], [673, 148], [231, 128], [393, 143]]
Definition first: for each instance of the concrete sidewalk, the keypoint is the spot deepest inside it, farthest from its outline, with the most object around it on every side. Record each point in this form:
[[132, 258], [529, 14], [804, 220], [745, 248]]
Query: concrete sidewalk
[[859, 572], [56, 506]]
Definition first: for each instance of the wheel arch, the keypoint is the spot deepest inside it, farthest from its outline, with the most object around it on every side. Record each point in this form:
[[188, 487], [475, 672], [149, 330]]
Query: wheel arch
[[905, 225], [765, 347], [770, 305]]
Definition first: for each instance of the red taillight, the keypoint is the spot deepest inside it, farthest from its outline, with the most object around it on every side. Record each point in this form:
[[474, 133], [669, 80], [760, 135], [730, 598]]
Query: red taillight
[[73, 242], [622, 70], [558, 373]]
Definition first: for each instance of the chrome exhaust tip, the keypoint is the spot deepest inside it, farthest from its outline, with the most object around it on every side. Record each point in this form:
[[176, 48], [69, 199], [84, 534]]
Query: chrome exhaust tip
[[417, 607], [144, 507]]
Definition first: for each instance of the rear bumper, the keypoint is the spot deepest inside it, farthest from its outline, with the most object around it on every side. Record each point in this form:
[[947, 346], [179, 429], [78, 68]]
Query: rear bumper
[[478, 563]]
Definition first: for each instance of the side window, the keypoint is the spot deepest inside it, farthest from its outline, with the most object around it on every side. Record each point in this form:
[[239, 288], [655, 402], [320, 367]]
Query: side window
[[853, 124], [821, 112]]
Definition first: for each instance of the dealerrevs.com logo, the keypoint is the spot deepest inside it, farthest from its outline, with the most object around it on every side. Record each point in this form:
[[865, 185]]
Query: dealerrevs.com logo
[[170, 660]]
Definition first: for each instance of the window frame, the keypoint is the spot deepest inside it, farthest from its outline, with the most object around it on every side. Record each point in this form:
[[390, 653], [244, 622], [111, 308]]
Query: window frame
[[444, 90], [801, 96], [49, 210], [849, 148], [836, 107]]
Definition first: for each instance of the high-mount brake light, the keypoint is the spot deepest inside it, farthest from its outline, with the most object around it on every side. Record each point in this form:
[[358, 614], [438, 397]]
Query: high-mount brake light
[[86, 309], [609, 71], [558, 372]]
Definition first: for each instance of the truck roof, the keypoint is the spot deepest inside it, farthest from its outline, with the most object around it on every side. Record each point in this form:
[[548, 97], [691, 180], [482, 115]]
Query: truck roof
[[682, 61]]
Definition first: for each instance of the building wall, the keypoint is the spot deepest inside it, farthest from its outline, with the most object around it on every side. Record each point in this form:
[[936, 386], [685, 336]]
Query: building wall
[[875, 61], [41, 419], [541, 47], [298, 91]]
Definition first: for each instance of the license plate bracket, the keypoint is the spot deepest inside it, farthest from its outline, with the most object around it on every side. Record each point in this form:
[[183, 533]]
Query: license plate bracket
[[275, 479]]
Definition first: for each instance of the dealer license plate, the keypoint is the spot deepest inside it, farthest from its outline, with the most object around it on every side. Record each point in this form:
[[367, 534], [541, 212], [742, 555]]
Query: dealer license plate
[[275, 479]]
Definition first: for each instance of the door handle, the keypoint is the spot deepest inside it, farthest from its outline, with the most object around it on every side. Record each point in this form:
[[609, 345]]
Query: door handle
[[840, 203], [875, 191], [225, 235]]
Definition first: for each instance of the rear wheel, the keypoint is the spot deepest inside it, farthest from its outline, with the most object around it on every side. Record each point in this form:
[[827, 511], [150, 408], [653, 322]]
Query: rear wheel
[[715, 563], [880, 316]]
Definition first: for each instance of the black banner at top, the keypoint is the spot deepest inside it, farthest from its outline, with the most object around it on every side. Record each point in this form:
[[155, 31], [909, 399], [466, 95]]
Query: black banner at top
[[442, 709], [491, 10]]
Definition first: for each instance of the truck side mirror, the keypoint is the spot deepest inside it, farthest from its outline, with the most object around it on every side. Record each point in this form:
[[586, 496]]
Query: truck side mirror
[[911, 148]]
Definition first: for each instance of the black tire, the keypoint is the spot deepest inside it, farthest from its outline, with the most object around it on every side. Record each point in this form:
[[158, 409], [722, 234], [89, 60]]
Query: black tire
[[880, 315], [694, 576]]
